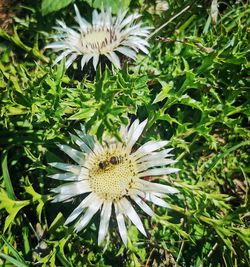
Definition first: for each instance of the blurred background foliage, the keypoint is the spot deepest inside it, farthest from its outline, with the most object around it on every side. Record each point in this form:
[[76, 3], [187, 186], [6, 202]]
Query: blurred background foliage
[[193, 87]]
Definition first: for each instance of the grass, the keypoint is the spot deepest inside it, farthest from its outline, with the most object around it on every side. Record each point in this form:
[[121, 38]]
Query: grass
[[194, 89]]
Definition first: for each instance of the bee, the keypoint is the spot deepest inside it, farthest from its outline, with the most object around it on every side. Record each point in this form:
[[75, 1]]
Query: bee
[[116, 160], [103, 164]]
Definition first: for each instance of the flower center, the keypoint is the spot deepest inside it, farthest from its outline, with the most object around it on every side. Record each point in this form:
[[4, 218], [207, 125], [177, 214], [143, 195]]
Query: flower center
[[112, 176], [99, 39]]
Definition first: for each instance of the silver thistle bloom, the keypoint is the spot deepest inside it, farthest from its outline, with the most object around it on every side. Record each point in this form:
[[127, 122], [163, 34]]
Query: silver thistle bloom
[[111, 175], [106, 36]]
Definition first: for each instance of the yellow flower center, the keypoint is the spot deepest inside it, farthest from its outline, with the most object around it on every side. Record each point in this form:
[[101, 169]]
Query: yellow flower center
[[112, 175], [99, 39]]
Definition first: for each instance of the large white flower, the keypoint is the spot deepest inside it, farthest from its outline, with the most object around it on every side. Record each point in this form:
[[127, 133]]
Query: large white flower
[[111, 175], [106, 36]]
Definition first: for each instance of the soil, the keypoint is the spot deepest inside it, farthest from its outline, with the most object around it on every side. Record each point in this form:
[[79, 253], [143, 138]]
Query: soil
[[6, 13]]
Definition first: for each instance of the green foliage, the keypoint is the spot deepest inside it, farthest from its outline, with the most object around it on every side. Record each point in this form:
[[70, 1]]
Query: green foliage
[[49, 6], [194, 89], [114, 5]]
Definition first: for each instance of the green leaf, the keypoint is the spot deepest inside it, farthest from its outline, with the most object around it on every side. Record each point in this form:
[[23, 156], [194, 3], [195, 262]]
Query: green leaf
[[6, 177], [13, 260], [49, 6], [164, 92], [17, 260], [115, 5]]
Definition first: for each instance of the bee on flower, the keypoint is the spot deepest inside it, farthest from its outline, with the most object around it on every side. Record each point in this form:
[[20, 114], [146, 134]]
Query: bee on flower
[[111, 176]]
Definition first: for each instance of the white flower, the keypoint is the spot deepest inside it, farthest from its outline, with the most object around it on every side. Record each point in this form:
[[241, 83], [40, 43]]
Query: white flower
[[111, 175], [106, 36]]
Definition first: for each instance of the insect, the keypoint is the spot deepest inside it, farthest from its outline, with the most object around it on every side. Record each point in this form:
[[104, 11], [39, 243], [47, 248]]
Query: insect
[[115, 160], [103, 164]]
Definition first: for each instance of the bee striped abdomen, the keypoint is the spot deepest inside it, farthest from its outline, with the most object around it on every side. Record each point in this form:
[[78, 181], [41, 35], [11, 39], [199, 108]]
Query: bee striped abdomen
[[115, 160]]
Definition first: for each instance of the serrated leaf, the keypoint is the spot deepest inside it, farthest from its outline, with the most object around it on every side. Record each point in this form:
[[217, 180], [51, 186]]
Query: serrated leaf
[[164, 92]]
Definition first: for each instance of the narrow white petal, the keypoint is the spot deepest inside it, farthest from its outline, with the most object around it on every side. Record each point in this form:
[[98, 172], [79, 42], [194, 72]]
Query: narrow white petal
[[128, 20], [121, 224], [70, 60], [80, 208], [156, 155], [61, 56], [133, 216], [61, 198], [75, 188], [158, 171], [76, 169], [153, 163], [81, 21], [126, 51], [91, 211], [157, 201], [95, 61], [104, 223], [143, 205], [114, 59], [155, 187], [56, 45], [136, 134], [148, 148], [76, 155], [132, 129], [85, 59], [120, 17], [81, 144], [65, 177]]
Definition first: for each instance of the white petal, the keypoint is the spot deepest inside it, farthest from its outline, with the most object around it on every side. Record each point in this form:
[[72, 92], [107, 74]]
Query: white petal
[[136, 134], [61, 56], [75, 188], [153, 163], [80, 143], [105, 217], [114, 59], [70, 60], [95, 61], [91, 211], [56, 45], [76, 155], [80, 208], [155, 187], [132, 129], [158, 171], [156, 155], [86, 138], [121, 224], [149, 147], [126, 51], [120, 17], [61, 198], [81, 21], [128, 20], [65, 176], [129, 211], [66, 167], [157, 201], [85, 59], [143, 205]]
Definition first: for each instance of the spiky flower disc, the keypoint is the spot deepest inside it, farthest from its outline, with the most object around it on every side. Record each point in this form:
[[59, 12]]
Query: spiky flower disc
[[111, 175], [106, 36]]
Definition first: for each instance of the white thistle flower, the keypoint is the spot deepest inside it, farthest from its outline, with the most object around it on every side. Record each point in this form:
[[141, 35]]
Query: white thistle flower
[[106, 36], [111, 175]]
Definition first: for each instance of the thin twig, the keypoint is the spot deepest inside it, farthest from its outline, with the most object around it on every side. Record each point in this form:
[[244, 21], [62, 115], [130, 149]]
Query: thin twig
[[170, 20], [212, 250], [179, 254]]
